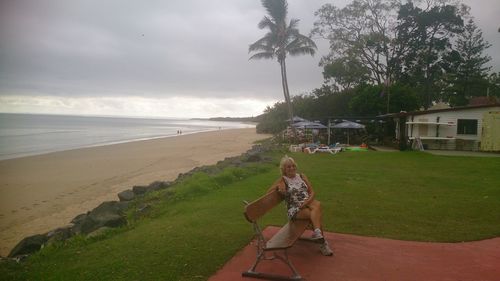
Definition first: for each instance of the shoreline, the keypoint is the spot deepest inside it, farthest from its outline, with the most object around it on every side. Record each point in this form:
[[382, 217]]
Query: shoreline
[[114, 143], [43, 192]]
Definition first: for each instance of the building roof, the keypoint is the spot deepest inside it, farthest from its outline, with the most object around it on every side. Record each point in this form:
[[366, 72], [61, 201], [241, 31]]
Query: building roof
[[422, 112]]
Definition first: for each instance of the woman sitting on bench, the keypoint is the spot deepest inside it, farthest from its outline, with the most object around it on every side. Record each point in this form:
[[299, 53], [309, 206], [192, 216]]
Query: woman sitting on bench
[[299, 197]]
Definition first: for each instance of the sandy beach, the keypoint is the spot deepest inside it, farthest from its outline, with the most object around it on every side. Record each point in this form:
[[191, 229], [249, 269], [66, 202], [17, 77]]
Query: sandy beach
[[40, 193]]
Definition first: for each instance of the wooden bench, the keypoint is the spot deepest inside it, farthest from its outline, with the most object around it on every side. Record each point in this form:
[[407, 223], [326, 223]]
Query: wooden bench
[[279, 243]]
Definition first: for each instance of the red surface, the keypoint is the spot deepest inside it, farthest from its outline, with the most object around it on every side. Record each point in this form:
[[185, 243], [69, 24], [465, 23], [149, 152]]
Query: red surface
[[369, 258]]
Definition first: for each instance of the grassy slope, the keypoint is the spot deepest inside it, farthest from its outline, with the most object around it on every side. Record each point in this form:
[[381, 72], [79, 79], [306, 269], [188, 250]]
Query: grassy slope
[[412, 196]]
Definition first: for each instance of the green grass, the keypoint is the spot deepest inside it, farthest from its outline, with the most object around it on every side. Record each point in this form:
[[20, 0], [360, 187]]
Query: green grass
[[193, 229]]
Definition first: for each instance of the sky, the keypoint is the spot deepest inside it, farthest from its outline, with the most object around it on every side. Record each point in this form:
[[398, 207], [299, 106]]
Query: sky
[[154, 58]]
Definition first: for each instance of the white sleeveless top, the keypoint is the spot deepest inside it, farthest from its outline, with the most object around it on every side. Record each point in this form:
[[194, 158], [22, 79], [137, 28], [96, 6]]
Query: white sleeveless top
[[296, 194]]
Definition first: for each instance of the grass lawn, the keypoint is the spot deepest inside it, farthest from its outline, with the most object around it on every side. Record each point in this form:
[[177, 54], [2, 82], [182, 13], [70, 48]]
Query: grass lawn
[[193, 230]]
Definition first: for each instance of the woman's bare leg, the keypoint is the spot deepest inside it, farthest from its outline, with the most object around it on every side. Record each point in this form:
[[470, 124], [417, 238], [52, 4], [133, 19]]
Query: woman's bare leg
[[313, 213]]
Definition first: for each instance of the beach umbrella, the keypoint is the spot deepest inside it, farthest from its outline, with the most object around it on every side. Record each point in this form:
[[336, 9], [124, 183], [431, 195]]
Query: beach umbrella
[[348, 125], [309, 125], [296, 119]]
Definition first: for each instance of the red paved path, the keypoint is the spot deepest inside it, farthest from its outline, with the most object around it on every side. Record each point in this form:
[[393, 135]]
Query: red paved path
[[368, 258]]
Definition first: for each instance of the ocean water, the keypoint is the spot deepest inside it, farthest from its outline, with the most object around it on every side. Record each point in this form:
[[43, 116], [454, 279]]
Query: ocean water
[[29, 134]]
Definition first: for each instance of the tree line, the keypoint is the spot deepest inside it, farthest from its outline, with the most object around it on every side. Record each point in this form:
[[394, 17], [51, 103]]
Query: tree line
[[393, 55]]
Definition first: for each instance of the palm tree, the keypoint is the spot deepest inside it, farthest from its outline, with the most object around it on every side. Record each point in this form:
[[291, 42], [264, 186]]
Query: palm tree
[[281, 39]]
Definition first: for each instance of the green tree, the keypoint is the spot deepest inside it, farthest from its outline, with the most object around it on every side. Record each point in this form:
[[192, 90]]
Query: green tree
[[330, 103], [283, 38], [370, 100], [428, 31], [345, 73], [494, 85], [360, 33], [465, 66], [273, 119]]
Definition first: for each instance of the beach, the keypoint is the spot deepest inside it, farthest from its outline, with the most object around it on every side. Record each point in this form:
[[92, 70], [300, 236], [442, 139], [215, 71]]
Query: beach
[[43, 192]]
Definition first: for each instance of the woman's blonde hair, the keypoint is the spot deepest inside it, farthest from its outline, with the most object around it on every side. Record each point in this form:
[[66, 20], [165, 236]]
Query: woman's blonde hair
[[285, 160]]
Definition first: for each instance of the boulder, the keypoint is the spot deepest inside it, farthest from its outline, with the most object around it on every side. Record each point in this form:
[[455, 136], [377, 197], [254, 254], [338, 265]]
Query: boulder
[[139, 189], [28, 245], [98, 232], [122, 206], [59, 234], [78, 219], [157, 185], [109, 214], [126, 195], [77, 223], [253, 157]]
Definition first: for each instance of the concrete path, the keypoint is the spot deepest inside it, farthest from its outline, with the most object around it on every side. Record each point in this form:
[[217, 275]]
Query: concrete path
[[443, 152], [368, 258], [463, 153]]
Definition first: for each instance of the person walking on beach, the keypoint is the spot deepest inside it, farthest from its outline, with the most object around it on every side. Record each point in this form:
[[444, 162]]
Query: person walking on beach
[[299, 198]]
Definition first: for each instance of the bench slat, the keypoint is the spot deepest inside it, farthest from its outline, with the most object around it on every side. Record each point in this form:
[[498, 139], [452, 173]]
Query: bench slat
[[261, 206], [287, 235]]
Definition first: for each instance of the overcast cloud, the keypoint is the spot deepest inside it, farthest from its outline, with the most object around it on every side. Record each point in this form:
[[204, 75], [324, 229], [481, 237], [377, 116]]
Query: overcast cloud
[[159, 58]]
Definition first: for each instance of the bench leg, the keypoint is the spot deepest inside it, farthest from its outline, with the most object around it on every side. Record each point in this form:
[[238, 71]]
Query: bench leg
[[261, 256]]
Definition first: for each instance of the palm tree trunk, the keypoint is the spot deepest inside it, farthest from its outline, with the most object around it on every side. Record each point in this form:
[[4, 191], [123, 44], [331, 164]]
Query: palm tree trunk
[[288, 101]]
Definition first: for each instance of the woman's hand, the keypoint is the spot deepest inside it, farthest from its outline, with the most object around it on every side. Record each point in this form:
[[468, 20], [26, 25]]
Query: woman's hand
[[281, 189]]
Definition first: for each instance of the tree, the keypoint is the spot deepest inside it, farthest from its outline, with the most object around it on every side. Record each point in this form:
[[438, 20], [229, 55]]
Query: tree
[[394, 40], [494, 85], [369, 100], [465, 66], [345, 73], [281, 40], [428, 31], [362, 32], [272, 119]]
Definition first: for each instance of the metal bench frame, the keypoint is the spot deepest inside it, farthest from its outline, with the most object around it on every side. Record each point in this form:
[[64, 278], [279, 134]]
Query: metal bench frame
[[276, 247]]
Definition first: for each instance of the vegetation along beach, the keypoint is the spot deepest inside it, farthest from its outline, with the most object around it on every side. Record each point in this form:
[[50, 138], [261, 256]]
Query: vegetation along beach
[[132, 134], [43, 192]]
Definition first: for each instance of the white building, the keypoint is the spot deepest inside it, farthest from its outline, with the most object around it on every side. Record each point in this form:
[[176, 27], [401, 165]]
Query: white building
[[475, 128]]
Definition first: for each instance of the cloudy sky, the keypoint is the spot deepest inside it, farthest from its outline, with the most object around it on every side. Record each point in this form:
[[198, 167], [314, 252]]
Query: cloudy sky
[[184, 58]]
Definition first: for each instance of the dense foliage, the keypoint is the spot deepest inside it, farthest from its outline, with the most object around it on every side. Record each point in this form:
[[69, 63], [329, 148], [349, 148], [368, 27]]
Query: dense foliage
[[364, 100], [389, 56]]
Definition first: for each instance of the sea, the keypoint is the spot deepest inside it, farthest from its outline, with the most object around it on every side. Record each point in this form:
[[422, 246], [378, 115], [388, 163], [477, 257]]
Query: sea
[[33, 134]]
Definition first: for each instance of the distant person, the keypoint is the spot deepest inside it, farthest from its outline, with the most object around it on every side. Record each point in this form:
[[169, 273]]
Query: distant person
[[299, 198]]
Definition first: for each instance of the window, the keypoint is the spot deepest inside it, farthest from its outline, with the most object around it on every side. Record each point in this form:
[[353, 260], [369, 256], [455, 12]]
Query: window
[[467, 127]]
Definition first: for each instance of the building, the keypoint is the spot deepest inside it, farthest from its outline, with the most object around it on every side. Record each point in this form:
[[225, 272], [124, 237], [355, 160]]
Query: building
[[473, 128]]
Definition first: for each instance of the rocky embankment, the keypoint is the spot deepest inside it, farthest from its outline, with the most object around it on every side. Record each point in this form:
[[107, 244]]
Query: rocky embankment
[[111, 214]]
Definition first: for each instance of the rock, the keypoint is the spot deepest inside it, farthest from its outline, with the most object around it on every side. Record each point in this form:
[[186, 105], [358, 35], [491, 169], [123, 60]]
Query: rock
[[59, 234], [77, 223], [28, 245], [253, 157], [126, 195], [122, 206], [267, 159], [107, 214], [139, 189], [157, 185], [236, 162], [98, 232], [78, 219]]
